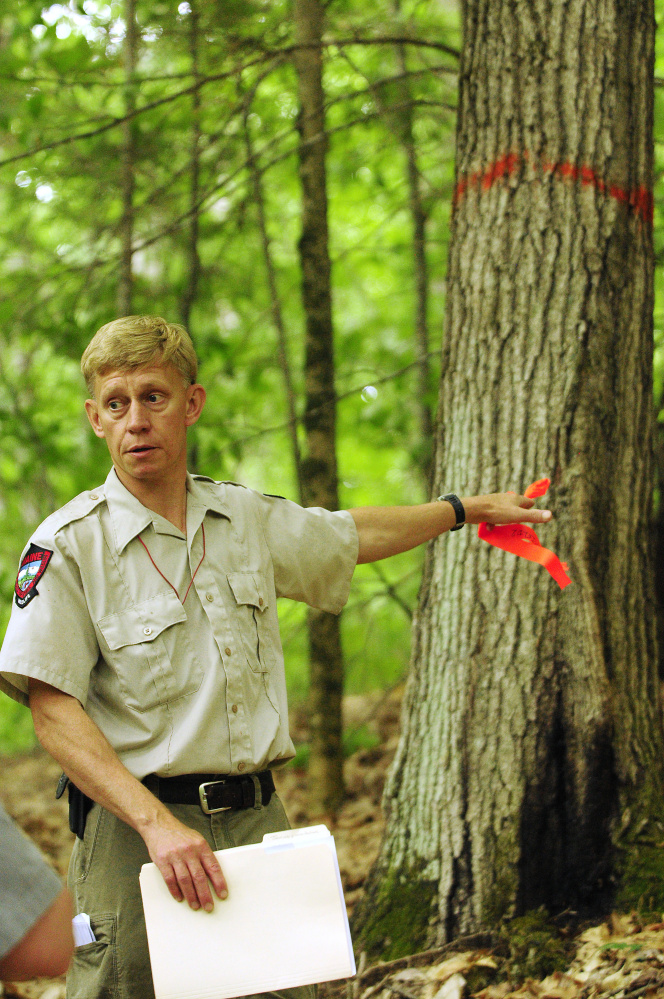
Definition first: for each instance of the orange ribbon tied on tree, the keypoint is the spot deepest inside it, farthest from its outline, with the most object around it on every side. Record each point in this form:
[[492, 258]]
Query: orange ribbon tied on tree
[[522, 541]]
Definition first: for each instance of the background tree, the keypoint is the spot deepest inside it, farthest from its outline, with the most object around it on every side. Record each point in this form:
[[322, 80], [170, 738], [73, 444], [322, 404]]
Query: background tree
[[205, 77], [319, 465], [530, 761]]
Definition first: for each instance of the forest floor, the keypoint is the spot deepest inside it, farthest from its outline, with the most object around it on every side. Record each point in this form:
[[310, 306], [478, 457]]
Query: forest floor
[[621, 957]]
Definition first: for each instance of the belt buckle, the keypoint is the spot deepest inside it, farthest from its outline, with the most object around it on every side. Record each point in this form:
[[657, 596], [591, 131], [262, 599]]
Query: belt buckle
[[202, 794]]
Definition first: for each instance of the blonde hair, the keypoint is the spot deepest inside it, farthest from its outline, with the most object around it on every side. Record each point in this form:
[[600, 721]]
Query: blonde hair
[[133, 341]]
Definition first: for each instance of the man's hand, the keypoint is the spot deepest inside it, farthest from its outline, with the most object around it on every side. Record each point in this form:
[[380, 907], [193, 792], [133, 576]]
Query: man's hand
[[185, 861], [503, 508], [72, 738]]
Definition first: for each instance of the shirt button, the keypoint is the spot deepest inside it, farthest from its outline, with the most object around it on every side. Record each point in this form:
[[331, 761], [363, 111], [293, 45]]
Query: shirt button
[[241, 767], [228, 651], [147, 631], [260, 601], [209, 597], [93, 496], [235, 709]]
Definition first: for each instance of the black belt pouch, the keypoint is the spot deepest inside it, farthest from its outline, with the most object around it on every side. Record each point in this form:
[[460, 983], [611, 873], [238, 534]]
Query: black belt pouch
[[79, 805]]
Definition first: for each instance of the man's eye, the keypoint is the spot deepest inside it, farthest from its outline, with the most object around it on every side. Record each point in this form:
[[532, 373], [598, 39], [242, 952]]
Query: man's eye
[[155, 397], [113, 405]]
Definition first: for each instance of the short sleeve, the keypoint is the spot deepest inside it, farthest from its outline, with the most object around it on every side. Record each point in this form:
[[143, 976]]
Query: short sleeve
[[51, 637], [314, 552], [28, 886]]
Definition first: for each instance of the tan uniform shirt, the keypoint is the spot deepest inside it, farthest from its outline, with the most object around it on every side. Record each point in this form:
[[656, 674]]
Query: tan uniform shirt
[[176, 688]]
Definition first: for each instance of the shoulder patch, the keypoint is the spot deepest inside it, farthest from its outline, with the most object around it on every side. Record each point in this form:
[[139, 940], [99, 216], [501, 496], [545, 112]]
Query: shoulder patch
[[32, 568]]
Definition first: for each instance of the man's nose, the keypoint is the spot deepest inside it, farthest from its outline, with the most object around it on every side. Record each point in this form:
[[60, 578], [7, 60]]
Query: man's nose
[[138, 417]]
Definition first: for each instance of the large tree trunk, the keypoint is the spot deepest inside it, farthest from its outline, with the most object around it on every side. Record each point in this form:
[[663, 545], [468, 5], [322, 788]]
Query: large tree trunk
[[531, 749], [319, 466]]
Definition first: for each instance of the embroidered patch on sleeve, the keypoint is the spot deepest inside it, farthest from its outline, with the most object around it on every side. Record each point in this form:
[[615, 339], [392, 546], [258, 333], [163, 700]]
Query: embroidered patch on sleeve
[[32, 568]]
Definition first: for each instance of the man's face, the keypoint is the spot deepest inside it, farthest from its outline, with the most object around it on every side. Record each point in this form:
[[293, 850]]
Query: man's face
[[143, 414]]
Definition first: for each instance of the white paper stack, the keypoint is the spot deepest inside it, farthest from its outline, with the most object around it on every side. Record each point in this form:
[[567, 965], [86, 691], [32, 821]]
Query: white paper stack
[[82, 930], [283, 924]]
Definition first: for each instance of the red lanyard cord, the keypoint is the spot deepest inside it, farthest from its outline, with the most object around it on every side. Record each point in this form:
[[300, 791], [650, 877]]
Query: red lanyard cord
[[165, 578]]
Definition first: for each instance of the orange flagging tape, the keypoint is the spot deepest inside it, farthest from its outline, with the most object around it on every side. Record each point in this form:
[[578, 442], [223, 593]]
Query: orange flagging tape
[[521, 540]]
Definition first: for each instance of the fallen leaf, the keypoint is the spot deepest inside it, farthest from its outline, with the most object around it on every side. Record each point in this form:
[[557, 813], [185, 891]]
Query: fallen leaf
[[452, 989], [458, 963], [486, 962]]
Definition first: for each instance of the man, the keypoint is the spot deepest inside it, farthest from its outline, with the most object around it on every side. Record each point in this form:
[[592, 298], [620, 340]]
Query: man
[[144, 634], [35, 910]]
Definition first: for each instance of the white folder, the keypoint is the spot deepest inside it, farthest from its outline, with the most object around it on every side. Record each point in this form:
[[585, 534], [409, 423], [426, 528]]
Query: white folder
[[283, 924]]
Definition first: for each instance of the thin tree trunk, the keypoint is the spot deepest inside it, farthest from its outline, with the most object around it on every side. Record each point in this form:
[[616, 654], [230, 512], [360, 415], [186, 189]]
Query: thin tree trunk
[[193, 259], [125, 284], [531, 749], [400, 122], [419, 217], [319, 467], [275, 307]]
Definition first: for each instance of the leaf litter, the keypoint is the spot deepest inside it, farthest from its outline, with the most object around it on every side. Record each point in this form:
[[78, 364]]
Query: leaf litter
[[620, 958]]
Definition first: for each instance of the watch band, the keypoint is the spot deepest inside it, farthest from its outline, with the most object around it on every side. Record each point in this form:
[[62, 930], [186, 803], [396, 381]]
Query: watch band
[[459, 511]]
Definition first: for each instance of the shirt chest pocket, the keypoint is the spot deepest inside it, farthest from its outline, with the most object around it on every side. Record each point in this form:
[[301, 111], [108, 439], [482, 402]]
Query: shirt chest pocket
[[144, 649], [251, 598]]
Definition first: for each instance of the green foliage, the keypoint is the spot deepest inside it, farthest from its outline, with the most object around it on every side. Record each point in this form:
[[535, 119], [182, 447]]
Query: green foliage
[[211, 79], [16, 731], [354, 739], [658, 191]]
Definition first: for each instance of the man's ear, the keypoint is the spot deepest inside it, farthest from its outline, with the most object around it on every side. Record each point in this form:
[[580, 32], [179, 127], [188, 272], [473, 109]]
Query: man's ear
[[195, 401], [93, 416]]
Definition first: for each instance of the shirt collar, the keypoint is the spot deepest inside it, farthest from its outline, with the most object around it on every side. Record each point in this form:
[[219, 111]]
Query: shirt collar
[[129, 517]]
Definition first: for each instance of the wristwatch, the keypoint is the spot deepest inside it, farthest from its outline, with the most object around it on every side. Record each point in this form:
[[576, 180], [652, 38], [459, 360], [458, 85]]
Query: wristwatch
[[459, 511]]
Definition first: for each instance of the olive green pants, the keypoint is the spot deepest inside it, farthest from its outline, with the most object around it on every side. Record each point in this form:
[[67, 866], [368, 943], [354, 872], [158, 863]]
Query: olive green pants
[[103, 878]]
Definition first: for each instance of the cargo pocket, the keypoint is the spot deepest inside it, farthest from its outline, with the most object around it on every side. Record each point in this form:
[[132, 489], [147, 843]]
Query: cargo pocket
[[251, 596], [137, 651], [94, 970]]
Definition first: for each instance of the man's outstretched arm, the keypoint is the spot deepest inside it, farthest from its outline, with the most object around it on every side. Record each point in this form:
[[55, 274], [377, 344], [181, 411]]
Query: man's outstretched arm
[[72, 738], [389, 530]]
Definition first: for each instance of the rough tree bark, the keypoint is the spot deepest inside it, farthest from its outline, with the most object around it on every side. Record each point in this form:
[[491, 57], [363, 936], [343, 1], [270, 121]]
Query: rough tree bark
[[127, 182], [530, 760], [319, 465]]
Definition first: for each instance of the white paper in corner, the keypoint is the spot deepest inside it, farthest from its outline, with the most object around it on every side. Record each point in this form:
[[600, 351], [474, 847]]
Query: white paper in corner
[[82, 930], [283, 924]]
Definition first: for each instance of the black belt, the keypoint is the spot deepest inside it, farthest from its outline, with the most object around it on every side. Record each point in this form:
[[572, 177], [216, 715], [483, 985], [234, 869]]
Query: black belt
[[212, 792]]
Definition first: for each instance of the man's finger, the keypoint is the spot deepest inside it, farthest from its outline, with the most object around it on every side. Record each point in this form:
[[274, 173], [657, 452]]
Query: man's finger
[[201, 886], [168, 874], [539, 516], [186, 884], [215, 874]]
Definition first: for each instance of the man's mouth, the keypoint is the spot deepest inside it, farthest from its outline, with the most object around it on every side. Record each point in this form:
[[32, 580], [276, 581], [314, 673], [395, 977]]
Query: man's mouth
[[141, 449]]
